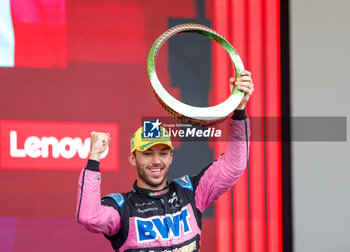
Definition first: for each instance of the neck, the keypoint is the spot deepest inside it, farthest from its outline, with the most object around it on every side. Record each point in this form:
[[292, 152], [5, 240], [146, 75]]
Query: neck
[[144, 185]]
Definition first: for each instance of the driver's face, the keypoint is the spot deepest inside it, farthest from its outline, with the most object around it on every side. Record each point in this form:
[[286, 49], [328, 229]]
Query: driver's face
[[152, 166]]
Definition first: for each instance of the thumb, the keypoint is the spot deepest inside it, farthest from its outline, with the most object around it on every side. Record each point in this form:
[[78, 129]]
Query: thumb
[[232, 84]]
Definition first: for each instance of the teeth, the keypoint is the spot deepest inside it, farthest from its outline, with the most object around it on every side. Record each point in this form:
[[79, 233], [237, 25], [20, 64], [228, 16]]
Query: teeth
[[155, 170]]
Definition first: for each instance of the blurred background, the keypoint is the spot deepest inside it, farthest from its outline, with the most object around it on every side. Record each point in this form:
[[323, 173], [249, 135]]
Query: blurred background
[[68, 67]]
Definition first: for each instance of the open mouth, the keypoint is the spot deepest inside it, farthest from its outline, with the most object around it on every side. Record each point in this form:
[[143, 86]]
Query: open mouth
[[156, 171]]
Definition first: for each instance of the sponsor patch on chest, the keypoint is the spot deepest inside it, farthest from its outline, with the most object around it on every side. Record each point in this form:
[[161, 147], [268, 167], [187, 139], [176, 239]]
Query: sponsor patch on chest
[[169, 226]]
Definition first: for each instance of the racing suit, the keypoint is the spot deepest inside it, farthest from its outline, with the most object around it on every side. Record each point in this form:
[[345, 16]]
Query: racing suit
[[169, 219]]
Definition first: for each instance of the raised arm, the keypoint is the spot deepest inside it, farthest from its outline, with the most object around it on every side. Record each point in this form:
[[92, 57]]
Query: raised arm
[[89, 211], [223, 173]]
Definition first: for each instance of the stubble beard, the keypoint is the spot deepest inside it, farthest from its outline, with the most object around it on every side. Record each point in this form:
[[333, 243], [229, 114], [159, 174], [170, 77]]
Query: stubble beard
[[141, 172]]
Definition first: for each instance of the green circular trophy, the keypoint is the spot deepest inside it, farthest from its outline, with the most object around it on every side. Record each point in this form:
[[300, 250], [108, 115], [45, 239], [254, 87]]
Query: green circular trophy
[[202, 116]]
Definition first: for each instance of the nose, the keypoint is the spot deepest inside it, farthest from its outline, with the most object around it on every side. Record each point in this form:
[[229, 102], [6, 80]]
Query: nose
[[156, 159]]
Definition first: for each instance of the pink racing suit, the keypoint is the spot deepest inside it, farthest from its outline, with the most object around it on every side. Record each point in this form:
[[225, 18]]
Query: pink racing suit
[[169, 219]]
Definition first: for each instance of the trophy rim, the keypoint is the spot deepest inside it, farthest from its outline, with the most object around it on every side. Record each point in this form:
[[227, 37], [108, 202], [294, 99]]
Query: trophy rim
[[202, 116]]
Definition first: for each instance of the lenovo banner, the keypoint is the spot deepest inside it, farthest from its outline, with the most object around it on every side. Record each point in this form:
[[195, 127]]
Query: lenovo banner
[[54, 145]]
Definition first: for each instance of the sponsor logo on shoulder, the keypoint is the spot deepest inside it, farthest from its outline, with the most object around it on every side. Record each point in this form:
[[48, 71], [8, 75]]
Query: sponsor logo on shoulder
[[184, 182]]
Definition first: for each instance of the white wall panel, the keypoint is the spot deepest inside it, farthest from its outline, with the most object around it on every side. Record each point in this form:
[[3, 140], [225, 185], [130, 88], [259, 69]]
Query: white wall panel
[[320, 86]]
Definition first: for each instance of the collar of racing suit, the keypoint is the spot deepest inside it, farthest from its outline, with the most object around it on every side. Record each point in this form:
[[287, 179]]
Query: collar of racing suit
[[151, 193]]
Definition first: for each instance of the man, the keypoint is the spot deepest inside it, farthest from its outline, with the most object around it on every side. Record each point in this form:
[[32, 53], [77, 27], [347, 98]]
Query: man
[[157, 215]]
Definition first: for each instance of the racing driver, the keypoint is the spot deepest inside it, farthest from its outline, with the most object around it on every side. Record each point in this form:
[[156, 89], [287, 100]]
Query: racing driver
[[157, 214]]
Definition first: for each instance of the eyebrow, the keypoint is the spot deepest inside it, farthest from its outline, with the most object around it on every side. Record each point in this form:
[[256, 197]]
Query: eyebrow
[[165, 148]]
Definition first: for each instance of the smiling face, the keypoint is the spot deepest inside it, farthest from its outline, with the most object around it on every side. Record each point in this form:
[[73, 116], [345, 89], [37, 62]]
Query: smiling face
[[152, 166]]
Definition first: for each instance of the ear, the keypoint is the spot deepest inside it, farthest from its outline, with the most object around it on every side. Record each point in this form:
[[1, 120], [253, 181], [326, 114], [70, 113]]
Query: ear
[[171, 157], [132, 159]]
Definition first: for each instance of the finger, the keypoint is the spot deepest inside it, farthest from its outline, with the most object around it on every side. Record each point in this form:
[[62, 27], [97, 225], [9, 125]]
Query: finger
[[245, 78], [232, 86], [245, 84], [246, 90], [105, 138], [246, 73], [102, 135]]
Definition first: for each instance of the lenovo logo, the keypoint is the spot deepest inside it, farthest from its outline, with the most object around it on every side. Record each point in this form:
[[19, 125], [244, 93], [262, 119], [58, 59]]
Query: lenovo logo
[[35, 147], [53, 145]]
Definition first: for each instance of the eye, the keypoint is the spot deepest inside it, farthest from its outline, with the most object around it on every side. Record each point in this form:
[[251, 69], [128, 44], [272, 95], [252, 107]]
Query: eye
[[147, 153]]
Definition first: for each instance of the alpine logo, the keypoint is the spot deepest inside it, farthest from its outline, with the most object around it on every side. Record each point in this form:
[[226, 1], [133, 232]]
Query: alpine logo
[[163, 227], [173, 199], [53, 145]]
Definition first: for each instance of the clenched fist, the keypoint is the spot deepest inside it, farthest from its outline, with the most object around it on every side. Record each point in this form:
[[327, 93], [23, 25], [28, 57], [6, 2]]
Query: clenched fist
[[99, 143]]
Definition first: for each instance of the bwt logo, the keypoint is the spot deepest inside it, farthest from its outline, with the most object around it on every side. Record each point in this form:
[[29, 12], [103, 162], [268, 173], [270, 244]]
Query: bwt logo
[[151, 129], [163, 227], [53, 145]]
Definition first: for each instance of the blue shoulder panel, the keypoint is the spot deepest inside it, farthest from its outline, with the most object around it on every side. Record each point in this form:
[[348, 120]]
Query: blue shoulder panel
[[184, 182], [117, 197]]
